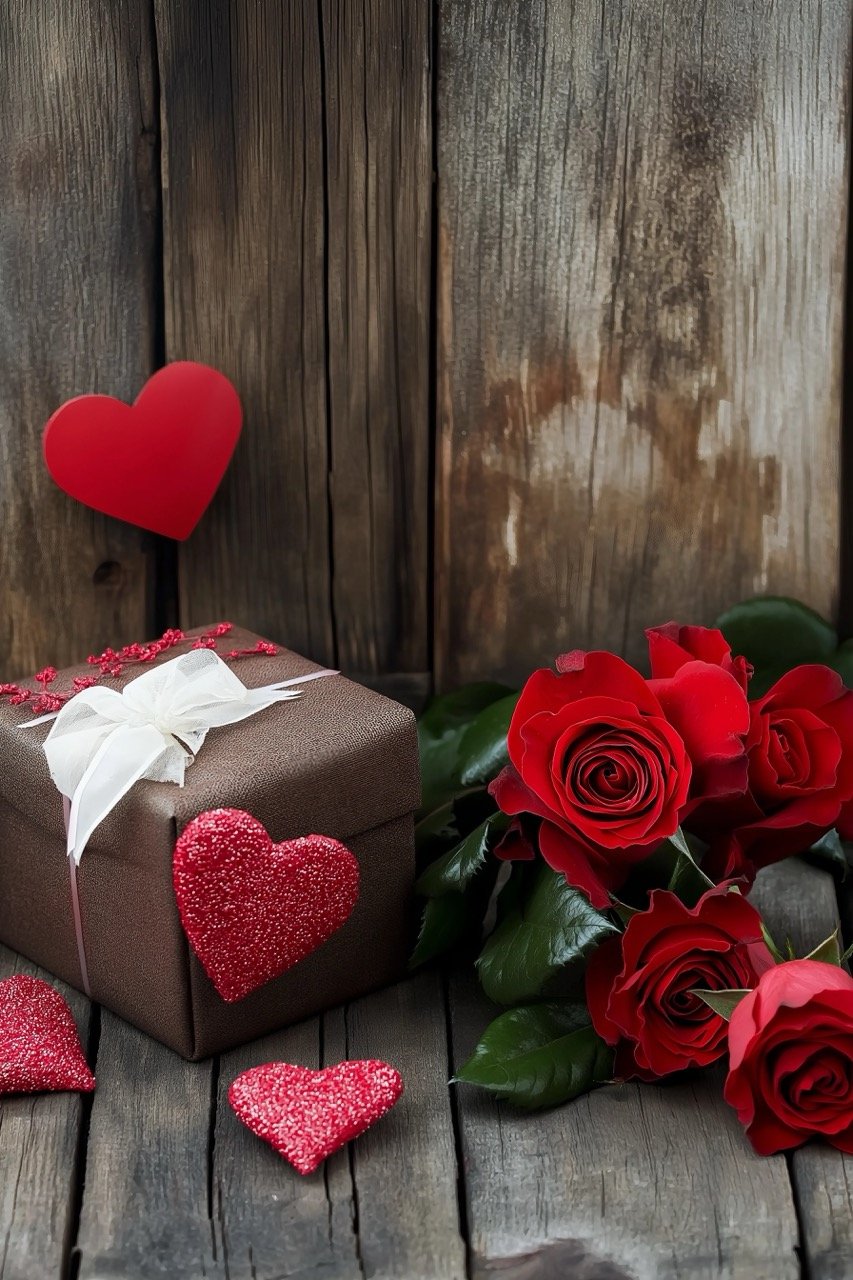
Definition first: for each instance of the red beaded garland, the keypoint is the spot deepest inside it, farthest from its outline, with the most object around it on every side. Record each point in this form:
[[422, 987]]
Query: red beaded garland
[[111, 663]]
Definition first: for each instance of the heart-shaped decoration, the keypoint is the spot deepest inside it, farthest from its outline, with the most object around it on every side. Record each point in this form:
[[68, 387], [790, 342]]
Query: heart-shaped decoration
[[156, 463], [306, 1115], [252, 909], [40, 1050]]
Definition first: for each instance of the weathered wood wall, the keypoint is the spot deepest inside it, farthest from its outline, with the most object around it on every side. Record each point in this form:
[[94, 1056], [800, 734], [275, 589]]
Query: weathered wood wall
[[535, 311]]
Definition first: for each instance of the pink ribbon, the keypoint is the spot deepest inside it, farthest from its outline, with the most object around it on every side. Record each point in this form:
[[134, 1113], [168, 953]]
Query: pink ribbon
[[72, 865], [75, 905]]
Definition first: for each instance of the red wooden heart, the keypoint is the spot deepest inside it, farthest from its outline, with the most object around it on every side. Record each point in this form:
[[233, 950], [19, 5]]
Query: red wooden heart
[[306, 1115], [156, 463], [39, 1046], [252, 909]]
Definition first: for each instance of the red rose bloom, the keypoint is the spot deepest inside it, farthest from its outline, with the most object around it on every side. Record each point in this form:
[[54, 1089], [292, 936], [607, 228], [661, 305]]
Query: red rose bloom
[[639, 986], [671, 645], [800, 752], [791, 1057], [612, 763]]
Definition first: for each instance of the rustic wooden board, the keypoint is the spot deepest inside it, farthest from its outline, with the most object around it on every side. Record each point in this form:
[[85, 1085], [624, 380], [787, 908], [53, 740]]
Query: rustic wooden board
[[296, 209], [145, 1209], [404, 1171], [642, 213], [376, 59], [79, 189], [386, 1207], [39, 1139], [242, 109], [641, 1182]]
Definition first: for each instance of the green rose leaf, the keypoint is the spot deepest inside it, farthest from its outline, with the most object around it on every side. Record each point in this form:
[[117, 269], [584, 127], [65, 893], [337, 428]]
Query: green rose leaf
[[444, 924], [539, 1056], [436, 830], [722, 1002], [687, 880], [829, 951], [775, 634], [482, 751], [458, 886], [453, 872], [440, 731], [554, 927], [842, 662], [830, 854]]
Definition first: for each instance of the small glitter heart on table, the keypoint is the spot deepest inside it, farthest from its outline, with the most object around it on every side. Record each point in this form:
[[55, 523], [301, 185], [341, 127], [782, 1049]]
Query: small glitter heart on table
[[306, 1115], [252, 909], [40, 1049]]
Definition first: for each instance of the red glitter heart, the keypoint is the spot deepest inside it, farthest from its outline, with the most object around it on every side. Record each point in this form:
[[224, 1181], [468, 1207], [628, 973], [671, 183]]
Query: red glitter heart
[[252, 909], [156, 463], [39, 1047], [306, 1115]]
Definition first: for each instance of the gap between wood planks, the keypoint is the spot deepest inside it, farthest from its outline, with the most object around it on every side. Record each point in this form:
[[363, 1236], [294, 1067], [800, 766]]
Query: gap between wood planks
[[154, 1175]]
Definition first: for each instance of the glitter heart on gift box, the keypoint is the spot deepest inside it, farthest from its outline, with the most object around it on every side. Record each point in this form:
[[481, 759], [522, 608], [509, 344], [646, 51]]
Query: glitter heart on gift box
[[40, 1050], [306, 1115], [252, 909]]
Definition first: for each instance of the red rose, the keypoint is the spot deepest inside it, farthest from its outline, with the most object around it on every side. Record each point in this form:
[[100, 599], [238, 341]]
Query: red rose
[[612, 763], [791, 1057], [671, 645], [800, 753], [639, 986]]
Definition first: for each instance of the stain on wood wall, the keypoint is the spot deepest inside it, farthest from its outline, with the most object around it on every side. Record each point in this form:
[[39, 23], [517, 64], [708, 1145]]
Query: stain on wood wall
[[641, 244], [583, 377]]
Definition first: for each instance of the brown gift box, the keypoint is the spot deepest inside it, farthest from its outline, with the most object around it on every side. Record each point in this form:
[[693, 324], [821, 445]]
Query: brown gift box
[[340, 760]]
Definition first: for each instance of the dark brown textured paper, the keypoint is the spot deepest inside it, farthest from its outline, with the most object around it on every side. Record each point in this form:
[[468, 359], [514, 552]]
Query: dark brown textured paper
[[340, 760]]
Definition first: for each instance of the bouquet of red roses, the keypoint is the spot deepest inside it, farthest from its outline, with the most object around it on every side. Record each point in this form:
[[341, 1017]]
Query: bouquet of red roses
[[597, 834]]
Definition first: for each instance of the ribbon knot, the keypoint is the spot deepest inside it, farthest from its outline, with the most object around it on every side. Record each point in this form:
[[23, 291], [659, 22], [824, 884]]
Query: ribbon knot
[[103, 741]]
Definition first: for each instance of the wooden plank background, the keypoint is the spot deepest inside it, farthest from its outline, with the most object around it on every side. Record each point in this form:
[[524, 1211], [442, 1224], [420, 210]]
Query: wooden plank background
[[535, 311]]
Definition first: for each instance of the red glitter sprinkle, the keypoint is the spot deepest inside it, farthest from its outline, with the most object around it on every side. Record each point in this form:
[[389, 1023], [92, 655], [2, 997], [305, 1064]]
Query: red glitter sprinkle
[[252, 909], [39, 1046], [204, 642], [46, 676], [306, 1115]]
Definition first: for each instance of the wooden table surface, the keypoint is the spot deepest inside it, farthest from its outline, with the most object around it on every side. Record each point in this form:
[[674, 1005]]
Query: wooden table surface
[[152, 1176]]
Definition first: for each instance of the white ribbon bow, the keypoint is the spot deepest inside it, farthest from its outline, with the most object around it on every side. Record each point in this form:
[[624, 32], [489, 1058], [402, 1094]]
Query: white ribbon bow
[[103, 741]]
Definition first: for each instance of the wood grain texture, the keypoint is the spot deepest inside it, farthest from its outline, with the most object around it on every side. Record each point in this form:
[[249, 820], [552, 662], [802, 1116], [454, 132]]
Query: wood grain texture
[[628, 1183], [641, 244], [145, 1205], [404, 1170], [385, 1207], [39, 1138], [297, 234], [243, 210], [799, 901], [379, 139], [648, 1181], [79, 191], [269, 1221]]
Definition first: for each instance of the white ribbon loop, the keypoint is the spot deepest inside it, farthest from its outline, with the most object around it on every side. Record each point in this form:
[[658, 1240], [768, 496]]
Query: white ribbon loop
[[103, 741]]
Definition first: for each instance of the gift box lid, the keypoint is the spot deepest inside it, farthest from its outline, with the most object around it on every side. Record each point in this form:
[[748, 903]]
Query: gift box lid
[[339, 760]]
